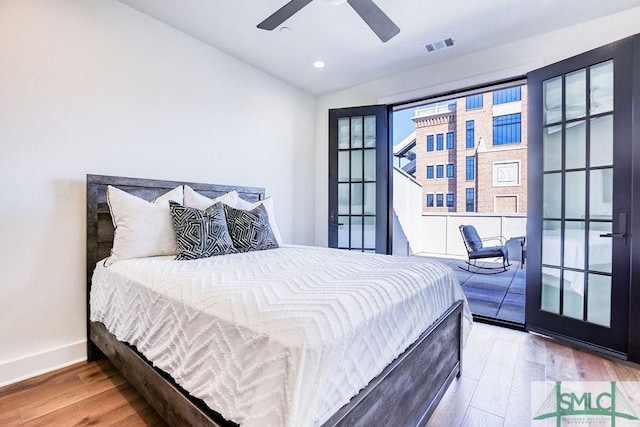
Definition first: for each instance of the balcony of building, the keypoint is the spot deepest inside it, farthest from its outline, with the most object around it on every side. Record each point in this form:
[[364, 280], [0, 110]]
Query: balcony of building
[[436, 235], [437, 108]]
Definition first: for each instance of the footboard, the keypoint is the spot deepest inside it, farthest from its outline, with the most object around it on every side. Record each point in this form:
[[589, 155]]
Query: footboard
[[169, 400], [407, 392]]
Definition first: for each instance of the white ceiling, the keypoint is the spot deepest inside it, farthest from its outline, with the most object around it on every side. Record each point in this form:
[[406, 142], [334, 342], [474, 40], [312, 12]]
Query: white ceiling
[[352, 52]]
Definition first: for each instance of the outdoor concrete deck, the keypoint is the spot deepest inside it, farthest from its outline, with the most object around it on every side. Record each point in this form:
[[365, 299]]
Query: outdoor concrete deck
[[499, 296]]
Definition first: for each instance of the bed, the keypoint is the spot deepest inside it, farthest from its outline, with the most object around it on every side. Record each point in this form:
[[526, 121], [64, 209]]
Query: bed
[[404, 392]]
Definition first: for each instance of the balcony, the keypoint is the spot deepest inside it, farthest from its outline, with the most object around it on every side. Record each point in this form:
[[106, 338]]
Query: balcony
[[436, 235], [438, 108]]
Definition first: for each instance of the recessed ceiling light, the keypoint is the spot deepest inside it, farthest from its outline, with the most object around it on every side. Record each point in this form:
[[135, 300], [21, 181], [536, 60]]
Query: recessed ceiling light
[[318, 64], [285, 29]]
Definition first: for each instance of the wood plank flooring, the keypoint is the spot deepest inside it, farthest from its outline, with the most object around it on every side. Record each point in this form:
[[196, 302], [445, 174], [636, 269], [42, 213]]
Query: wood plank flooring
[[499, 367], [81, 395], [494, 390]]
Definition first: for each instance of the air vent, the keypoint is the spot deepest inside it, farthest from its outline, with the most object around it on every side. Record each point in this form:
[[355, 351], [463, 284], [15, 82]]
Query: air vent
[[440, 44]]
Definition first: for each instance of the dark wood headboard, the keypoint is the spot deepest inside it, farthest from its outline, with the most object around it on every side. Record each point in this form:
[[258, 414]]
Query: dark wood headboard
[[99, 223]]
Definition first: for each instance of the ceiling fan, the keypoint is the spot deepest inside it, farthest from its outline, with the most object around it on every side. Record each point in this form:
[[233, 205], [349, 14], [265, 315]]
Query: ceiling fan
[[375, 18]]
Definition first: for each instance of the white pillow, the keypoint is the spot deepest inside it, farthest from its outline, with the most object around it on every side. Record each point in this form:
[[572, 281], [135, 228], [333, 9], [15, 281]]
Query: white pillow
[[193, 199], [268, 205], [142, 228]]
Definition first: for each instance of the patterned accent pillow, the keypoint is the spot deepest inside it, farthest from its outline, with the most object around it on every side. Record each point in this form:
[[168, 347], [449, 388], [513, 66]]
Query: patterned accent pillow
[[201, 234], [268, 205], [250, 230]]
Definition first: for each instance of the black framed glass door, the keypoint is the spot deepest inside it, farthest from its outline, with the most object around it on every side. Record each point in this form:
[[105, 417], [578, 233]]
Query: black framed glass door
[[580, 170], [359, 181]]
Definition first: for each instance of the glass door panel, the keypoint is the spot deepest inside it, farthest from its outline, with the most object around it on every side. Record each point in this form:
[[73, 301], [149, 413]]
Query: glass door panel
[[602, 141], [356, 132], [574, 245], [552, 100], [370, 131], [343, 132], [576, 145], [576, 89], [550, 300], [576, 194], [601, 193], [370, 199], [552, 203], [552, 144], [369, 165], [601, 90], [356, 165], [573, 294], [551, 243], [356, 199], [599, 303], [600, 248]]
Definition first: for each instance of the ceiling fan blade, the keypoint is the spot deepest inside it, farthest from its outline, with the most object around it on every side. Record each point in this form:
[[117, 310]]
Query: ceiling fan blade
[[375, 18], [282, 14]]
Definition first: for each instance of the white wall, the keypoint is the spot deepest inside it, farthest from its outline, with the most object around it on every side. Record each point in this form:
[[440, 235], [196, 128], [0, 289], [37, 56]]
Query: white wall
[[441, 233], [501, 62], [407, 214], [92, 86]]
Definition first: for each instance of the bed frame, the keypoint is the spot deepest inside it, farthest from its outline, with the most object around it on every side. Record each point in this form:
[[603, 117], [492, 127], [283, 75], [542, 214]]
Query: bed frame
[[404, 394]]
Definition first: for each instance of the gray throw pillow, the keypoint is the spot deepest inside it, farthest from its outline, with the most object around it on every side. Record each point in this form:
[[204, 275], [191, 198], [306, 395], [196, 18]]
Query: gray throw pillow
[[250, 230], [200, 234]]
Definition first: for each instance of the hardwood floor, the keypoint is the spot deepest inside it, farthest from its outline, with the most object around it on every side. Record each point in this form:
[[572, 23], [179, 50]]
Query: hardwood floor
[[81, 395], [494, 389], [499, 366]]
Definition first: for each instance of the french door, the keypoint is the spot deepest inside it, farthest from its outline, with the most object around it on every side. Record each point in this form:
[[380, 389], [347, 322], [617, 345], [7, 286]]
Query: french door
[[359, 180], [580, 198]]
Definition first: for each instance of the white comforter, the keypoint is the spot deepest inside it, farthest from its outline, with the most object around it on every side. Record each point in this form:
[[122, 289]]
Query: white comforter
[[283, 337]]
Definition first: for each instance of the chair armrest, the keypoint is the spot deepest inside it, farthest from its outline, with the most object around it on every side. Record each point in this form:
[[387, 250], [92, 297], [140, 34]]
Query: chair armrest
[[501, 239]]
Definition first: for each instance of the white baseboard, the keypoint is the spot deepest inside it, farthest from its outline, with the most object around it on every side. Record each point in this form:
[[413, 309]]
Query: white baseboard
[[41, 363]]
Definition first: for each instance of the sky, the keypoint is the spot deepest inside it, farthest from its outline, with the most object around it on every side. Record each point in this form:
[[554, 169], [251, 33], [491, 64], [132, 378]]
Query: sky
[[402, 124]]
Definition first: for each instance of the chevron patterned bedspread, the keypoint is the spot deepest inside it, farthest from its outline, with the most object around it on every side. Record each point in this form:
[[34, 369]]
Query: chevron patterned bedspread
[[281, 337]]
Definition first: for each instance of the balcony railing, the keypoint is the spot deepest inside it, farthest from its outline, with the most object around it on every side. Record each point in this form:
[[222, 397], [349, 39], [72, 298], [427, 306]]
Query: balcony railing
[[437, 234], [435, 109]]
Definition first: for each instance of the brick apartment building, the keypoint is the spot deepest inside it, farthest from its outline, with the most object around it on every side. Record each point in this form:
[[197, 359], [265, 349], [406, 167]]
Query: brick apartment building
[[471, 153]]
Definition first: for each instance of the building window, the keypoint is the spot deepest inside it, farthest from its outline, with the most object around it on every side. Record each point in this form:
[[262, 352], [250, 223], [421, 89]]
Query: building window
[[470, 201], [507, 129], [510, 94], [439, 142], [449, 200], [471, 133], [450, 170], [439, 200], [429, 200], [429, 142], [474, 101], [429, 172], [440, 171], [450, 141], [471, 168]]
